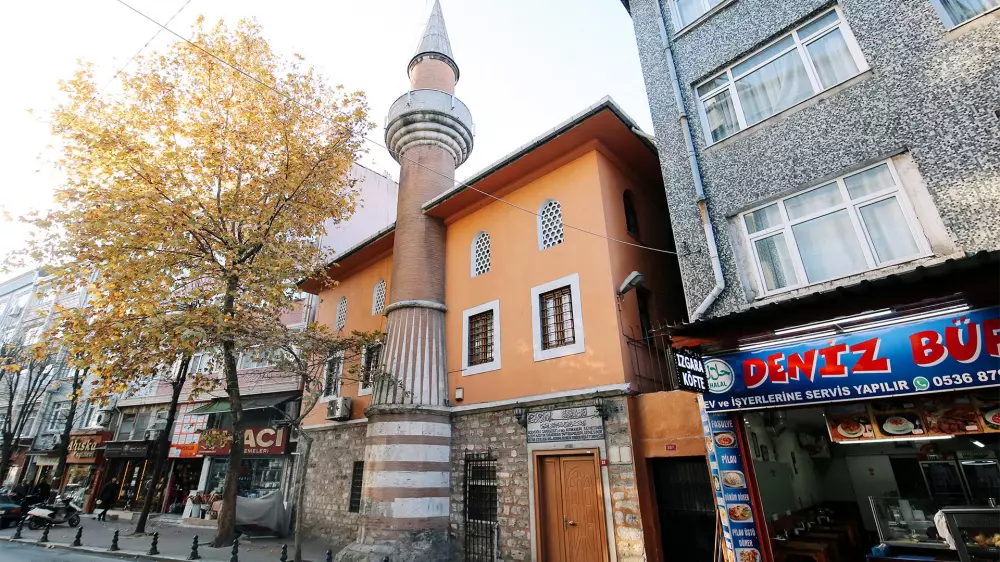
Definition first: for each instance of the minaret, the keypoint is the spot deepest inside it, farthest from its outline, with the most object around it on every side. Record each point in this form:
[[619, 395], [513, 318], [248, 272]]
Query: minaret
[[406, 494]]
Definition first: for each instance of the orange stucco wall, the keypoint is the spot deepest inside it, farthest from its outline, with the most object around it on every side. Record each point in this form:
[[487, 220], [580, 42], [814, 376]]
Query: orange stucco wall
[[358, 286], [517, 265]]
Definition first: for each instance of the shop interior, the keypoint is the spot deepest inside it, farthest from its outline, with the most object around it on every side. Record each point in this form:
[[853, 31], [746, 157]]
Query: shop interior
[[836, 481]]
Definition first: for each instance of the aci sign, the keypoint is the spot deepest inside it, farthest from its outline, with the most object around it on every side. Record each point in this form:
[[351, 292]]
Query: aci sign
[[945, 353], [689, 371]]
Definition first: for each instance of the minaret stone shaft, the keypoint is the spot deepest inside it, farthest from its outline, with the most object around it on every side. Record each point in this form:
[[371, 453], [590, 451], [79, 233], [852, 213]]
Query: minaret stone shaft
[[406, 491]]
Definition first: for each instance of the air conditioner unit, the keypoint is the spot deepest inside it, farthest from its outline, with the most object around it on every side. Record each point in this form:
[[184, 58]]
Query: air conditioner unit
[[339, 409], [103, 418], [153, 434]]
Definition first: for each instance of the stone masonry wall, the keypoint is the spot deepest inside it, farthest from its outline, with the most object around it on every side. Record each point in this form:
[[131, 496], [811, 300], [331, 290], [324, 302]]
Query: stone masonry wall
[[624, 494], [500, 432], [328, 483]]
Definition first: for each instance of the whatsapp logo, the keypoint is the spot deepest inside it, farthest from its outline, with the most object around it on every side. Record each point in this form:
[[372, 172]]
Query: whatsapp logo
[[921, 383], [720, 376]]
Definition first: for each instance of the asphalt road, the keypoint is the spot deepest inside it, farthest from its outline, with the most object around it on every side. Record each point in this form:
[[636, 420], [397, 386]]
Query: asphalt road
[[28, 553]]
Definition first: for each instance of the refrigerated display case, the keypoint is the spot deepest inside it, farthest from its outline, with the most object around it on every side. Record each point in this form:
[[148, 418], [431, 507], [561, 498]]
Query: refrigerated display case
[[944, 482], [906, 522], [975, 532]]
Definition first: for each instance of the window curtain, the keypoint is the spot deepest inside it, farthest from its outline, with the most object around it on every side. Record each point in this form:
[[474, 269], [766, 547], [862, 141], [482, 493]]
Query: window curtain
[[774, 87], [888, 230], [962, 10], [829, 247], [832, 59]]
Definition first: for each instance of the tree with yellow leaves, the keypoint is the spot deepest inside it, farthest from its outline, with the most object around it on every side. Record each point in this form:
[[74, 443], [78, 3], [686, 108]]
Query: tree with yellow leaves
[[199, 182]]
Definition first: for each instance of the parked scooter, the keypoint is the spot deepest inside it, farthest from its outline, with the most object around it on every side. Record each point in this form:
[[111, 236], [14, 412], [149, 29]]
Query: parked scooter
[[62, 511]]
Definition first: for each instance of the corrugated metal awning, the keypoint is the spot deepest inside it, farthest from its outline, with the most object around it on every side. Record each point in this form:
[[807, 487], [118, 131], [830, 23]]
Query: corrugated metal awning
[[249, 403]]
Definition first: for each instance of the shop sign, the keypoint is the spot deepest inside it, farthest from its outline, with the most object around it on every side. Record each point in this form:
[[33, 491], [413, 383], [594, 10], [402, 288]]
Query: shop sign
[[84, 448], [132, 449], [256, 441], [940, 354], [737, 511], [689, 371], [185, 451], [568, 424]]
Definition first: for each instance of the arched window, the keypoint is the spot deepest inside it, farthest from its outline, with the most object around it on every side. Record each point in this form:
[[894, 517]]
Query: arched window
[[631, 219], [378, 297], [481, 254], [342, 313], [550, 224]]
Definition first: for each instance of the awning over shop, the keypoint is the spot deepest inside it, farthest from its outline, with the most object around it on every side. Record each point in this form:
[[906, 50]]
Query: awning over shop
[[249, 403]]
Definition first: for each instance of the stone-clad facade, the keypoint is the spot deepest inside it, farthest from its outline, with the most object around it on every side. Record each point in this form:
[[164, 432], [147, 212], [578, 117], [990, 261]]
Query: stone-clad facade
[[930, 94], [328, 482]]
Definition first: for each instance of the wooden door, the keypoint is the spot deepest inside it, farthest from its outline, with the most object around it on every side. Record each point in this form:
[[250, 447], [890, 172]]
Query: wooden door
[[570, 514]]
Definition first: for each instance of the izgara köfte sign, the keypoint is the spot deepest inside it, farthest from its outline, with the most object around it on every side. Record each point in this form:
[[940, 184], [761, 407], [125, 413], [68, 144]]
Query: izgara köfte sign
[[945, 353]]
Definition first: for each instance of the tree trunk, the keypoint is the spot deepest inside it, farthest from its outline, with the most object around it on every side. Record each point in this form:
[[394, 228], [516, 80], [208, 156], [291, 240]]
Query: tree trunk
[[300, 491], [162, 447], [57, 474], [226, 530], [5, 450]]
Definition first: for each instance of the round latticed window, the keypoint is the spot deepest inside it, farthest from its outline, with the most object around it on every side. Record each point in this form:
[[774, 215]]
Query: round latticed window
[[481, 254], [550, 225], [378, 298], [342, 313]]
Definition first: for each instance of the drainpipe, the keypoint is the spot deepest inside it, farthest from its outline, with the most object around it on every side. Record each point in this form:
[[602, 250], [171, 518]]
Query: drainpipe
[[699, 187]]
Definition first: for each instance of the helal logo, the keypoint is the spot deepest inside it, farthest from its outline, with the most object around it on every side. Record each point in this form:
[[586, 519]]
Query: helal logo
[[720, 376]]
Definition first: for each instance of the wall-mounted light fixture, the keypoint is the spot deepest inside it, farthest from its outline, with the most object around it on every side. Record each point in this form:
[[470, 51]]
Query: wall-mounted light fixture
[[459, 394], [521, 414], [601, 407]]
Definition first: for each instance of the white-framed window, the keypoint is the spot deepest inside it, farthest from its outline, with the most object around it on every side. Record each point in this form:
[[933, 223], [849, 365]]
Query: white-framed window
[[378, 299], [957, 12], [257, 358], [33, 335], [481, 254], [203, 362], [18, 302], [481, 338], [370, 363], [57, 417], [557, 318], [851, 224], [550, 224], [686, 11], [812, 58], [332, 376], [341, 313]]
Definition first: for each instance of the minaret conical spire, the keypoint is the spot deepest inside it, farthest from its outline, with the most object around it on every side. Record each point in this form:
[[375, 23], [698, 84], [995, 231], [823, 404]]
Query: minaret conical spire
[[434, 42]]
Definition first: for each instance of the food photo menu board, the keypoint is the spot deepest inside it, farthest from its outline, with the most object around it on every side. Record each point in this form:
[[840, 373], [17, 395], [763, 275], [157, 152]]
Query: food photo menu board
[[729, 477], [915, 417]]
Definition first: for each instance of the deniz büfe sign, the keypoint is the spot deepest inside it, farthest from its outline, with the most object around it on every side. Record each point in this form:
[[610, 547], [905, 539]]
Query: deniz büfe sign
[[256, 441], [689, 371], [947, 353]]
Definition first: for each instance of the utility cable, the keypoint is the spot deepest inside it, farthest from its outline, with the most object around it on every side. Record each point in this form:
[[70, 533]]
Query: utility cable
[[259, 82]]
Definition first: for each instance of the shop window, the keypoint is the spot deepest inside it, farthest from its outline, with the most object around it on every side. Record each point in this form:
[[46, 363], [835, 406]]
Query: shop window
[[257, 476], [357, 480]]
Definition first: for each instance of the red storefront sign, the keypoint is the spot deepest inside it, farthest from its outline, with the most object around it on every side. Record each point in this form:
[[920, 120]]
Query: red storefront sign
[[256, 441], [83, 449]]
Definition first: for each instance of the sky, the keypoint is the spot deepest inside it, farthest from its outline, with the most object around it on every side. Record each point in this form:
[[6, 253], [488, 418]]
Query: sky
[[526, 66]]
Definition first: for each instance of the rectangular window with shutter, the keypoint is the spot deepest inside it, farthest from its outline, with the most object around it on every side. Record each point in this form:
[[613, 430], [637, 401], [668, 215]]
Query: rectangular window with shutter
[[557, 318], [357, 480]]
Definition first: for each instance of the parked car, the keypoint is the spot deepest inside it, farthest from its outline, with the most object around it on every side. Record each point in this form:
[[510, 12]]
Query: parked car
[[10, 512]]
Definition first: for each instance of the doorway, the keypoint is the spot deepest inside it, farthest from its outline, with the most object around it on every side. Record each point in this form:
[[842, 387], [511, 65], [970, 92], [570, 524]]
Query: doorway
[[570, 507], [686, 506]]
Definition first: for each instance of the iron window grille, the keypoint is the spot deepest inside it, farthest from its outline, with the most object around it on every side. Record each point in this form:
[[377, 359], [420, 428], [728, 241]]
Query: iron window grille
[[371, 364], [481, 338], [378, 298], [556, 309], [357, 478], [481, 501]]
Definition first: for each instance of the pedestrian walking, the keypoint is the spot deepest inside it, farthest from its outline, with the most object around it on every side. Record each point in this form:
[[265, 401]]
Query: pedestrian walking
[[106, 497]]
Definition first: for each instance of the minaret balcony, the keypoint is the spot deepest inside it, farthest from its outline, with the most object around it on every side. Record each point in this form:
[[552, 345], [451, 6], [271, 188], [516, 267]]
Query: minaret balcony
[[429, 117]]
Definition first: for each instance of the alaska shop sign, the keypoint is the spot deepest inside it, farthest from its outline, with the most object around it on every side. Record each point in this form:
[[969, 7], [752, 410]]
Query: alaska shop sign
[[945, 353], [256, 441]]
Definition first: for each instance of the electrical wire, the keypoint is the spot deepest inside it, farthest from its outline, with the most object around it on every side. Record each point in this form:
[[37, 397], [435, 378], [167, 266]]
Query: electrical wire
[[259, 82]]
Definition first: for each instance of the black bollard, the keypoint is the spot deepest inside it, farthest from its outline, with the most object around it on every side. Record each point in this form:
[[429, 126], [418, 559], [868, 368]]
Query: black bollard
[[236, 551], [284, 553], [17, 532], [329, 556], [79, 536], [45, 534], [194, 550], [114, 542], [153, 551]]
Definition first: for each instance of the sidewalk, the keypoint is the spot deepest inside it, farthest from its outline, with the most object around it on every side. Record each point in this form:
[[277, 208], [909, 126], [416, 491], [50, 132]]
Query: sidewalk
[[174, 542]]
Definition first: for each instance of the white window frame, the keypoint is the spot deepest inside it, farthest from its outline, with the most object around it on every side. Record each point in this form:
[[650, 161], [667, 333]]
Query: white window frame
[[327, 396], [489, 254], [952, 24], [579, 344], [491, 365], [848, 204], [675, 13], [58, 407], [20, 301], [362, 391], [798, 45]]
